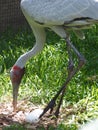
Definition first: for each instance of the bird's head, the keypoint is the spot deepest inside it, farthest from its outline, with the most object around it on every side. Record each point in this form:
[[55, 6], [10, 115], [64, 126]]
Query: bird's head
[[16, 75]]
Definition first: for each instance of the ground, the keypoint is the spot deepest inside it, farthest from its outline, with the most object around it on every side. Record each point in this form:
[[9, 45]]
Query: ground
[[8, 117], [44, 76]]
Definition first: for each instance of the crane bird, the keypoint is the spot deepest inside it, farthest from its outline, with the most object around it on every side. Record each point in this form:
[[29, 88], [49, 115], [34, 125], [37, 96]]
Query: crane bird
[[59, 16]]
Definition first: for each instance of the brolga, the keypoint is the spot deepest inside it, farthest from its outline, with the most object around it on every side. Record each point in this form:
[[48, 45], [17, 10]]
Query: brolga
[[60, 16]]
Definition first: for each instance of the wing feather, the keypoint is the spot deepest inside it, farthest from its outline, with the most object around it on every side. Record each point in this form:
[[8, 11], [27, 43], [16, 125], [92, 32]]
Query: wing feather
[[56, 11]]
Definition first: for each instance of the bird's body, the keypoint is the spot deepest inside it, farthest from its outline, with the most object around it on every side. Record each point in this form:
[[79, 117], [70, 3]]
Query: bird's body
[[58, 12], [59, 16]]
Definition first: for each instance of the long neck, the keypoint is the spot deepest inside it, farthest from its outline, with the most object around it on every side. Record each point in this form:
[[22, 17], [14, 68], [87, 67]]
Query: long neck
[[40, 41]]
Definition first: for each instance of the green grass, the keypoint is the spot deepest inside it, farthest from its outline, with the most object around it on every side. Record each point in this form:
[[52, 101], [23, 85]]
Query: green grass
[[15, 127], [46, 72]]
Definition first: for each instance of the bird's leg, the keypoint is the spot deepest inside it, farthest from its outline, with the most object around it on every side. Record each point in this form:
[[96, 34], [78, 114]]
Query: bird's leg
[[71, 70], [52, 102]]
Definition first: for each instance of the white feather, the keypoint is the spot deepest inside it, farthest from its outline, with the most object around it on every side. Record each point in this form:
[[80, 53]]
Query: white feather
[[51, 13], [56, 12]]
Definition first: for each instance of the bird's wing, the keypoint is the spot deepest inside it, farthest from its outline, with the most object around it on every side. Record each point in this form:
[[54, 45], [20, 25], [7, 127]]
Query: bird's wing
[[55, 11]]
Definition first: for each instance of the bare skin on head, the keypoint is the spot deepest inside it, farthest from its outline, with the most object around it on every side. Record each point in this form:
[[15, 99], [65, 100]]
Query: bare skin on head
[[16, 75]]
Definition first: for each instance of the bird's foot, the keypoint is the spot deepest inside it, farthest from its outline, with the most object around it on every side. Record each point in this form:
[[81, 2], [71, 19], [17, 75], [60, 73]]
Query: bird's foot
[[56, 114], [50, 107]]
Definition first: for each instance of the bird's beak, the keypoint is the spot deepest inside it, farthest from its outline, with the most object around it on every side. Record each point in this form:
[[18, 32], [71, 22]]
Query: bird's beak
[[16, 75], [15, 95]]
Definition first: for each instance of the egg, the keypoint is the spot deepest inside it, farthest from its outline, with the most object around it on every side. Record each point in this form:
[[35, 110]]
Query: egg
[[33, 117]]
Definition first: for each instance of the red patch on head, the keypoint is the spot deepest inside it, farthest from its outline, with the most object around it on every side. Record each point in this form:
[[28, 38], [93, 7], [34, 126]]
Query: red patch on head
[[17, 74], [16, 67]]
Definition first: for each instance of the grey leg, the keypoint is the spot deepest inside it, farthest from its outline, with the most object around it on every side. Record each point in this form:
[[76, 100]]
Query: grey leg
[[71, 72], [71, 69]]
